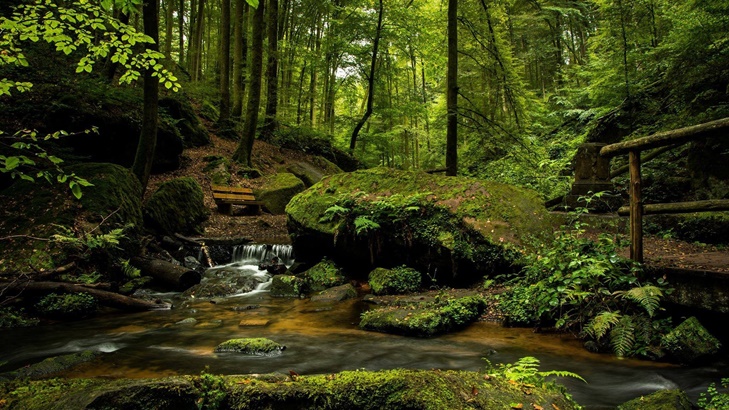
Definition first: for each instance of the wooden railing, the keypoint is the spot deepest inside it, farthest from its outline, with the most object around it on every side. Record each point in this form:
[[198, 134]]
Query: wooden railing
[[636, 209]]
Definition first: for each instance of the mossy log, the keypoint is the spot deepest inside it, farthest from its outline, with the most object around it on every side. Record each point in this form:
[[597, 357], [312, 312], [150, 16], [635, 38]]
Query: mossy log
[[681, 207], [105, 298], [178, 277]]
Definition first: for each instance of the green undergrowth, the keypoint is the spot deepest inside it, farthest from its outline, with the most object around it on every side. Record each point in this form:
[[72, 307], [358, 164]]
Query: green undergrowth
[[398, 280], [323, 275], [425, 318]]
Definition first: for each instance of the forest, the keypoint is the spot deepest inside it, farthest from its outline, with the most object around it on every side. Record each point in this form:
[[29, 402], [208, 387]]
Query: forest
[[416, 157]]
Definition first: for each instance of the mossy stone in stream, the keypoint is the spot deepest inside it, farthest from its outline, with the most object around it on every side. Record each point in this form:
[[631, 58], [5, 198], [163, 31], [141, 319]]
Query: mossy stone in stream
[[287, 286], [424, 319], [277, 190], [257, 346], [177, 207], [394, 281], [323, 275], [50, 366], [661, 400], [690, 341]]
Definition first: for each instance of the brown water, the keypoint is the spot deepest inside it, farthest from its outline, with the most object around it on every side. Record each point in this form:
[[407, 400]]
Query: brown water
[[325, 339]]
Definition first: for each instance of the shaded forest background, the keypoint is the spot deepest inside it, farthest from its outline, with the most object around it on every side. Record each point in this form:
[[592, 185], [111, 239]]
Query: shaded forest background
[[535, 78]]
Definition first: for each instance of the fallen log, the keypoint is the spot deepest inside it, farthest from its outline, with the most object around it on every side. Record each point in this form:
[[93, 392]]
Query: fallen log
[[178, 277], [104, 298], [681, 207]]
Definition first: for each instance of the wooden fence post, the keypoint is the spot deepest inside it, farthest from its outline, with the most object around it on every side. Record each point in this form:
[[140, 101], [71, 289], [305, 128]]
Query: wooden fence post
[[636, 207]]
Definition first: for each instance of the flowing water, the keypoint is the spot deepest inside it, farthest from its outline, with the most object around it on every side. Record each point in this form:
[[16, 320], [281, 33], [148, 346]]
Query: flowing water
[[323, 338]]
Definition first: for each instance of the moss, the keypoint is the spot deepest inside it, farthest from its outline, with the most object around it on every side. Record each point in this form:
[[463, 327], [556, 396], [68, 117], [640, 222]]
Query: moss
[[72, 306], [51, 366], [277, 190], [661, 400], [115, 187], [218, 170], [177, 207], [193, 133], [336, 294], [394, 281], [287, 286], [253, 346], [323, 275], [690, 341], [424, 319]]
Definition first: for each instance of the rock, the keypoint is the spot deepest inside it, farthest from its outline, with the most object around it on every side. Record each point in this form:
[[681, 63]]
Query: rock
[[310, 173], [336, 294], [176, 207], [50, 366], [191, 262], [424, 319], [394, 281], [661, 400], [193, 133], [252, 346], [253, 322], [190, 321], [277, 190], [287, 286], [454, 229], [218, 169], [212, 324], [323, 275], [690, 341]]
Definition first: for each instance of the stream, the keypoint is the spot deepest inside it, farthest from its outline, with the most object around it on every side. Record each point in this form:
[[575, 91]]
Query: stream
[[324, 338]]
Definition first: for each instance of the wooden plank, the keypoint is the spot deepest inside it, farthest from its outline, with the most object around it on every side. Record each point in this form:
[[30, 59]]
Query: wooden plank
[[237, 202], [681, 207], [230, 189], [636, 208], [226, 197], [678, 136]]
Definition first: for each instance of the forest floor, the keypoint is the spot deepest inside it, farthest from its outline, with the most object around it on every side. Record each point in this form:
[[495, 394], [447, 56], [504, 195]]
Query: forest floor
[[267, 228]]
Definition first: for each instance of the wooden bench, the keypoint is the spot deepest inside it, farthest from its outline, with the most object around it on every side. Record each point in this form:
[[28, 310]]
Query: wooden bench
[[225, 197]]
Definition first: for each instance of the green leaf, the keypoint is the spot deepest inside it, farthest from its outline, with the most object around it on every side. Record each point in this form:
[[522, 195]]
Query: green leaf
[[75, 189], [11, 163]]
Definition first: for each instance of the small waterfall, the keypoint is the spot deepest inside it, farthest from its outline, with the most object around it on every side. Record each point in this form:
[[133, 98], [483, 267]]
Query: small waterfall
[[260, 253]]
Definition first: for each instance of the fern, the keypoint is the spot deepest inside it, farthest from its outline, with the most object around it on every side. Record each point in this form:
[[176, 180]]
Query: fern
[[622, 336], [648, 297], [526, 370], [601, 324], [362, 224], [333, 212]]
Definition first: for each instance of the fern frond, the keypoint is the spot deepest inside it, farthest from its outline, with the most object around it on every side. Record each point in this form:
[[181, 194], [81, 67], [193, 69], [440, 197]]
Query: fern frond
[[648, 297], [622, 336], [562, 373], [601, 324]]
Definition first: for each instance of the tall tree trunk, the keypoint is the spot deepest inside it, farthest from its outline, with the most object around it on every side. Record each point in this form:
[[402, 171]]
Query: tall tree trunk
[[370, 83], [270, 124], [142, 166], [224, 62], [314, 74], [181, 29], [243, 152], [452, 92], [169, 23], [196, 50], [238, 60]]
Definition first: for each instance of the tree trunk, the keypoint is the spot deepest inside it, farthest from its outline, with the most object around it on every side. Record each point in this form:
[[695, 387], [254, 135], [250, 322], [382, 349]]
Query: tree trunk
[[370, 82], [142, 166], [169, 23], [181, 29], [104, 298], [452, 92], [270, 124], [224, 62], [196, 50], [242, 154], [177, 277], [238, 60]]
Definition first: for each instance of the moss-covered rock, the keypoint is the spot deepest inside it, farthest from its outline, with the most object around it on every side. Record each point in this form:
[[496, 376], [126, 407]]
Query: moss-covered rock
[[424, 319], [50, 366], [277, 190], [323, 275], [180, 110], [312, 172], [690, 341], [287, 286], [218, 169], [661, 400], [365, 390], [256, 346], [37, 209], [176, 207], [394, 281], [445, 227], [336, 294]]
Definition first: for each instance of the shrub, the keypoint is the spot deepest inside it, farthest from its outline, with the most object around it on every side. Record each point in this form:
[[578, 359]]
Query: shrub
[[394, 281], [67, 306]]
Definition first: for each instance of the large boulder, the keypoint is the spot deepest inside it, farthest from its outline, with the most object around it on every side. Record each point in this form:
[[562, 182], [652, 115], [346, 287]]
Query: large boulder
[[661, 400], [40, 210], [180, 110], [176, 207], [449, 228], [277, 190], [311, 172], [690, 341]]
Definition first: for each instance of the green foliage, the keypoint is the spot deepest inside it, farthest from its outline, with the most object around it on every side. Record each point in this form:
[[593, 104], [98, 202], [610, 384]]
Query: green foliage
[[395, 281], [67, 306], [12, 317], [323, 275], [129, 270], [212, 390], [715, 398], [526, 371]]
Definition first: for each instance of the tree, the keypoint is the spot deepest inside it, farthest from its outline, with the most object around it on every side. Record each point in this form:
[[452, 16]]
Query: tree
[[370, 81], [270, 124], [224, 62], [243, 152], [239, 49], [452, 91], [142, 166]]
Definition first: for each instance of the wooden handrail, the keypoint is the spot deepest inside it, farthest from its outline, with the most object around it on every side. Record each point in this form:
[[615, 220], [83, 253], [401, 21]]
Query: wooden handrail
[[678, 136], [680, 207]]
